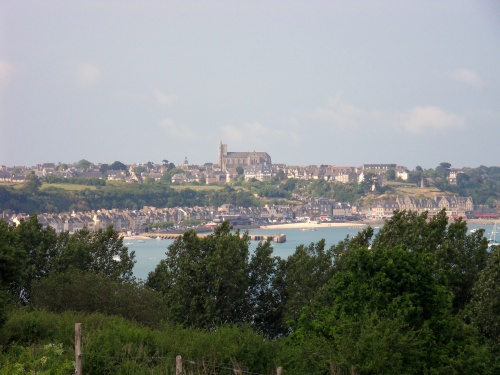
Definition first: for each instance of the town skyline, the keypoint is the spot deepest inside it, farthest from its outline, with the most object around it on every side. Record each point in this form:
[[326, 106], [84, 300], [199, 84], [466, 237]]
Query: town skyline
[[180, 164]]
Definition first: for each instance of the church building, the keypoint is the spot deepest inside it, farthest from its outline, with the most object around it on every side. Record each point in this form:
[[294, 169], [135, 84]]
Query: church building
[[243, 159]]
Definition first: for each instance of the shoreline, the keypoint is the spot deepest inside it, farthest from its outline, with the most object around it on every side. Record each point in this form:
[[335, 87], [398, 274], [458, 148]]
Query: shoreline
[[138, 237], [357, 224], [314, 225]]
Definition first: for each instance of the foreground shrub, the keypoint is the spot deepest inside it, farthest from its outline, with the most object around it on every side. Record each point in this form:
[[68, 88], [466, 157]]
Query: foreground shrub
[[115, 345], [90, 292]]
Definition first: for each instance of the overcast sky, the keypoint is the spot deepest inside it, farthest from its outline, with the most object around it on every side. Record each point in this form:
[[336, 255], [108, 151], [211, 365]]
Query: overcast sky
[[309, 82]]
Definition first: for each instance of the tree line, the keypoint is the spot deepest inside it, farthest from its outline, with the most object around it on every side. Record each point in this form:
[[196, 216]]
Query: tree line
[[31, 199], [420, 296], [482, 184]]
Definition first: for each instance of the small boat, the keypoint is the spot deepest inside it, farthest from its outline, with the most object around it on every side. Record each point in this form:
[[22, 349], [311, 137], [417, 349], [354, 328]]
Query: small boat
[[129, 244], [492, 241], [141, 241], [211, 225]]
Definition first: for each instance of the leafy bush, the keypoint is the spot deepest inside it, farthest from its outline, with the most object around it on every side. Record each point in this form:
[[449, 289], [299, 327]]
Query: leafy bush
[[114, 345], [89, 292], [49, 359]]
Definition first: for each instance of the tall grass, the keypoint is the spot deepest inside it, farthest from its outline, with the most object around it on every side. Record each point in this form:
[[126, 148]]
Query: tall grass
[[113, 345]]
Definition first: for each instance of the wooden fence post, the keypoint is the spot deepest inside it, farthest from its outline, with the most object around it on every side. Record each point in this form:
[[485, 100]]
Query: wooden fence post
[[278, 370], [78, 349], [178, 365]]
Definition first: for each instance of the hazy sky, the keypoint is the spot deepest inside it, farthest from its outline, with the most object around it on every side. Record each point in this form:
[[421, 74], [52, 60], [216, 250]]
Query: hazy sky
[[309, 82]]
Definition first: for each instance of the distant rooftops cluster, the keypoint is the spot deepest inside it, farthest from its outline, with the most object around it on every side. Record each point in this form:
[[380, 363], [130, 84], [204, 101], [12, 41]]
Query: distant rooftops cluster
[[231, 166], [310, 209], [212, 173]]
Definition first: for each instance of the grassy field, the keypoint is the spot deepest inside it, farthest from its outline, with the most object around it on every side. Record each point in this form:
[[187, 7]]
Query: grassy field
[[429, 192], [15, 185], [69, 187], [175, 187], [419, 193], [197, 187]]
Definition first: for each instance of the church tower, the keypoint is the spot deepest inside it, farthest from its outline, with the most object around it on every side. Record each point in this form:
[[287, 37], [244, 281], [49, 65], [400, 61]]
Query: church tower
[[222, 156]]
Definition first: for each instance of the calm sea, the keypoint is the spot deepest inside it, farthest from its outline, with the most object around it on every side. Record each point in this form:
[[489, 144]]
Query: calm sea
[[149, 253]]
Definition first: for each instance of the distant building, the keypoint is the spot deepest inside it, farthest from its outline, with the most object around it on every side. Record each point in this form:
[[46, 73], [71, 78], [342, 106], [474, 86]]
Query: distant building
[[243, 159], [384, 167], [260, 172], [452, 176]]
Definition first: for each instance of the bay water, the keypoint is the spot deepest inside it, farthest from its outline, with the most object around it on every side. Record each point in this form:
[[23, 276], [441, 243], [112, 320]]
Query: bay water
[[149, 252]]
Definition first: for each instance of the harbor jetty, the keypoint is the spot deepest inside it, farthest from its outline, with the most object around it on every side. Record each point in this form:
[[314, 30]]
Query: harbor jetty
[[279, 238]]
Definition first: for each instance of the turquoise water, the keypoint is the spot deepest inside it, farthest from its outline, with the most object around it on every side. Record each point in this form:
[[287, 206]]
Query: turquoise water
[[149, 253]]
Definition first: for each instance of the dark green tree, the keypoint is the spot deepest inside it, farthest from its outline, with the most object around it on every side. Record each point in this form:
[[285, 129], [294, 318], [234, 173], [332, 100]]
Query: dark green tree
[[484, 309], [12, 258], [205, 280], [98, 293], [390, 175], [39, 246], [40, 252], [457, 256], [118, 165], [443, 169], [168, 164], [12, 264], [369, 180], [104, 167], [100, 252], [306, 271], [266, 286], [290, 184], [462, 179], [83, 164], [386, 312], [32, 184]]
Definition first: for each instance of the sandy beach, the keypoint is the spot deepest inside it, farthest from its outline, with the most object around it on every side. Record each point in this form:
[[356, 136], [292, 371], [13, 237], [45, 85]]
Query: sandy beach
[[373, 223], [305, 225], [310, 225], [138, 237]]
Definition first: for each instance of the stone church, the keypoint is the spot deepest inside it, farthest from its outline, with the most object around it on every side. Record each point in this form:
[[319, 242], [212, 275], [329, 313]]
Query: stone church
[[243, 159]]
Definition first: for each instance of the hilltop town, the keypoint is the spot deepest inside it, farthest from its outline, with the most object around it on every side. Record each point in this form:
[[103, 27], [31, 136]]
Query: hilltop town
[[231, 167], [273, 193]]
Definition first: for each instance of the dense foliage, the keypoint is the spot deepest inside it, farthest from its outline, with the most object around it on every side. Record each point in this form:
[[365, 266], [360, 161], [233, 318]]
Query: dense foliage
[[124, 196], [420, 297], [31, 253], [75, 181]]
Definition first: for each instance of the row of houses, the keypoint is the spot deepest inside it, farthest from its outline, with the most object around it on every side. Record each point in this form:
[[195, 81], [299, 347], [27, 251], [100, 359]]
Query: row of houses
[[455, 206], [311, 209], [208, 174], [148, 217], [225, 172]]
